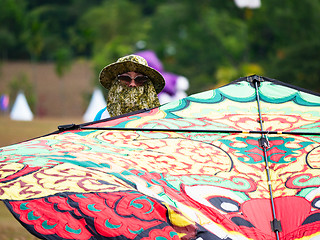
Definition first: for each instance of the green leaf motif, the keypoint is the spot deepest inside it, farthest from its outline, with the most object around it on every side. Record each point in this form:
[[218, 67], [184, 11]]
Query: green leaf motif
[[45, 225], [75, 231], [110, 225], [32, 217], [91, 207]]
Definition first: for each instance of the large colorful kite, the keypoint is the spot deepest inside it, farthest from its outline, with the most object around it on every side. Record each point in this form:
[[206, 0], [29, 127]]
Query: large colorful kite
[[238, 162]]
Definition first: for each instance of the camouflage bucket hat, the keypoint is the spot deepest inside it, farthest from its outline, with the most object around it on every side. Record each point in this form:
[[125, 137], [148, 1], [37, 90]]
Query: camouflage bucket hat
[[131, 63]]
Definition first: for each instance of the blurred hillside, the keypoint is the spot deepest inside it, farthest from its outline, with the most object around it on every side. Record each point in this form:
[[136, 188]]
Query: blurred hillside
[[211, 43]]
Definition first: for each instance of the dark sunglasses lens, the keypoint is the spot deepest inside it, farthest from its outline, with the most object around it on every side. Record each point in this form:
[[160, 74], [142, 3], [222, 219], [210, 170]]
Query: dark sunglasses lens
[[141, 79], [124, 78]]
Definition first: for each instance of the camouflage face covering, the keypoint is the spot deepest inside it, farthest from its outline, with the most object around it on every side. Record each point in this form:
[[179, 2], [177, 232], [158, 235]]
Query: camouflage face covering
[[123, 99]]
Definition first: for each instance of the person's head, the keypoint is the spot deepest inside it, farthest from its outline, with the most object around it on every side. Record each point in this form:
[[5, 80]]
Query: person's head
[[132, 85]]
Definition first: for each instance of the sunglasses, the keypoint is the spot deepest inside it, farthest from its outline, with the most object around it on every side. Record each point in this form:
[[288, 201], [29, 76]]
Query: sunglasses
[[139, 80]]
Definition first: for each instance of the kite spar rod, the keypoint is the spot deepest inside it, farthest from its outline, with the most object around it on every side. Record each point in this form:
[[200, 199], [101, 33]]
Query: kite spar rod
[[184, 130], [264, 143]]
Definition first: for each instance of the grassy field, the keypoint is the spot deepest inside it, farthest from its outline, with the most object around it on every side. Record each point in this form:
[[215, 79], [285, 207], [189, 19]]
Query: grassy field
[[10, 228], [13, 132]]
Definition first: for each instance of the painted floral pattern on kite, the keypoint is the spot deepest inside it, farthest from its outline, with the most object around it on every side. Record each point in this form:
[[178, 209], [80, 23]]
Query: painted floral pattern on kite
[[190, 169]]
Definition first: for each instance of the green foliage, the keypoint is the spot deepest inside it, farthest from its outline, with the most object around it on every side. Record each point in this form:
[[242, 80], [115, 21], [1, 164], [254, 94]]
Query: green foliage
[[196, 46], [209, 42], [35, 34], [12, 14], [299, 65], [287, 45], [114, 31]]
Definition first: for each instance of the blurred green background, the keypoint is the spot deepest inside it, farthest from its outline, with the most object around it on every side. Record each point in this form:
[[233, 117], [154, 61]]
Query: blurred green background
[[209, 42]]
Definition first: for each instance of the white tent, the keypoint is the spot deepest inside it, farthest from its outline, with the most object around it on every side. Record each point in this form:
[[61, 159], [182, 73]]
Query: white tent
[[97, 102], [248, 3], [21, 110]]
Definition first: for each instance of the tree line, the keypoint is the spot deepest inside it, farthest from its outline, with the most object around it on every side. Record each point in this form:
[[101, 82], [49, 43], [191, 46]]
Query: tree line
[[209, 42]]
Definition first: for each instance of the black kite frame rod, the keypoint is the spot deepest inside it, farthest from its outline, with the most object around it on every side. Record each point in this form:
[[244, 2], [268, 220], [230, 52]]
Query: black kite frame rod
[[184, 130], [264, 143]]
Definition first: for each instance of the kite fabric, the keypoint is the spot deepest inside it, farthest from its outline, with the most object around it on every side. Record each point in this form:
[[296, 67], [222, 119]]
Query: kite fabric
[[238, 162]]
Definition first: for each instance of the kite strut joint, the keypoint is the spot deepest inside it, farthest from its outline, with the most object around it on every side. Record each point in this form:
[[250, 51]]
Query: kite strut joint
[[68, 127], [264, 142], [255, 78], [276, 225]]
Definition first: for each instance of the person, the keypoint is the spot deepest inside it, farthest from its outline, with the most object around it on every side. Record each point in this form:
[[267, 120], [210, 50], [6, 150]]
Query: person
[[132, 85]]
